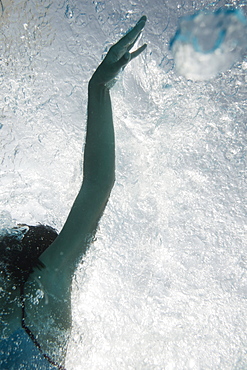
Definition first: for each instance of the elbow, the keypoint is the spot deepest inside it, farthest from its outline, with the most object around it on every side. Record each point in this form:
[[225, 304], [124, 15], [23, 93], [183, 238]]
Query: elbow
[[102, 191], [107, 184], [112, 182], [101, 186], [106, 180]]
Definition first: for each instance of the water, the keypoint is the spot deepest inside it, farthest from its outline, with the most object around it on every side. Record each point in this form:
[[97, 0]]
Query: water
[[164, 286]]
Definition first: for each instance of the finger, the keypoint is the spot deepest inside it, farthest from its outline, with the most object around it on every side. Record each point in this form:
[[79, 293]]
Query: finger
[[118, 50], [130, 38], [133, 43], [143, 18], [132, 35], [121, 63], [127, 57], [138, 52]]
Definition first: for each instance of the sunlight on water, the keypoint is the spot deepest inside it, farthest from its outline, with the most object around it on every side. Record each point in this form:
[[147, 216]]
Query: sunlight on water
[[164, 286]]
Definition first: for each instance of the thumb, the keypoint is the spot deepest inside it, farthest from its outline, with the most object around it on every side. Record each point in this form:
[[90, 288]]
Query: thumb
[[123, 61]]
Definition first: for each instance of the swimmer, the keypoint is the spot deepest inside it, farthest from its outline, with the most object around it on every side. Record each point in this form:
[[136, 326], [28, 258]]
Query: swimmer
[[37, 265]]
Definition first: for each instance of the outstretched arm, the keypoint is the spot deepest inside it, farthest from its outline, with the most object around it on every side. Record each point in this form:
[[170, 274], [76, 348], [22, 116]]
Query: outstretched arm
[[99, 155], [62, 256]]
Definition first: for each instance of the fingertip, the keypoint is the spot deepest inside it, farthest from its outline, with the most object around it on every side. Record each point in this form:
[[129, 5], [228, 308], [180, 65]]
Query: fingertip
[[141, 23], [142, 19], [142, 48], [138, 51]]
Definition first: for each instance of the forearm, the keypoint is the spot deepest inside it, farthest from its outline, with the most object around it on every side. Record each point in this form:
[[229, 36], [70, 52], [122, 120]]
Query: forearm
[[99, 155]]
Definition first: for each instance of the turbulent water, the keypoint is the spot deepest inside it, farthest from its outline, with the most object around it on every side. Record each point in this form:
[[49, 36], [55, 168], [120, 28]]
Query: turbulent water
[[164, 286]]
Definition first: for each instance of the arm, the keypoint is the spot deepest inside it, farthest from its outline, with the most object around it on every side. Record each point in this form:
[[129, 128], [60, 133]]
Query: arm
[[62, 256], [99, 158]]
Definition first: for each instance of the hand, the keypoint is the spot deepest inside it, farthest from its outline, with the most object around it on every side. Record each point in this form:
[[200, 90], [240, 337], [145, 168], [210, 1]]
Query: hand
[[119, 56]]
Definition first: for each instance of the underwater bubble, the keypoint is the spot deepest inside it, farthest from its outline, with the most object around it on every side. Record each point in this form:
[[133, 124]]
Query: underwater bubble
[[207, 43], [68, 12]]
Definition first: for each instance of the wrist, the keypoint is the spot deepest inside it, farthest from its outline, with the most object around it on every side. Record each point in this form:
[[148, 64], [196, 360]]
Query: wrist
[[103, 78], [96, 84]]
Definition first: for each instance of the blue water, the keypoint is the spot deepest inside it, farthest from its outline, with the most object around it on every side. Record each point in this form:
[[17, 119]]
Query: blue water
[[164, 286]]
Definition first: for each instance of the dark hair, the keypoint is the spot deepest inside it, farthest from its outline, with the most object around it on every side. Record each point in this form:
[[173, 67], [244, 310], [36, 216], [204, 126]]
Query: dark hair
[[19, 253]]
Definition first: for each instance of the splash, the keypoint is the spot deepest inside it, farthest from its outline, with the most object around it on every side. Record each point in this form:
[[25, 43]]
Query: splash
[[207, 43]]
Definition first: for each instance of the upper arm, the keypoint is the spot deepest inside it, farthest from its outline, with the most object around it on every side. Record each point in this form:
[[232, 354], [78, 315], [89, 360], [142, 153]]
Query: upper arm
[[78, 230], [60, 261]]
